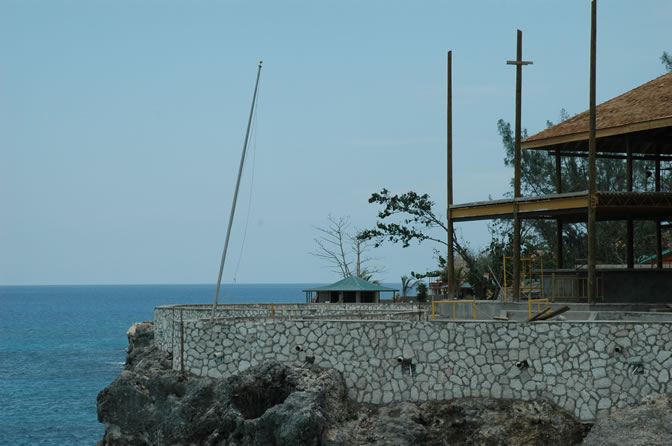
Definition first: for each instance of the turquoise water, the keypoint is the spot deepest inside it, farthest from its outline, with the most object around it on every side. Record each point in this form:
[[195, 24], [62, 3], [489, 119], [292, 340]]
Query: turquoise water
[[61, 345]]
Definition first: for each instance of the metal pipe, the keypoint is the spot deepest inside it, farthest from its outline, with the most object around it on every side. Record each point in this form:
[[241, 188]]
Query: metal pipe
[[235, 194]]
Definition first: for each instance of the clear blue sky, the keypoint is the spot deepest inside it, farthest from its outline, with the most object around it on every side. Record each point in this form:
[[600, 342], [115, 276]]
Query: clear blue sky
[[122, 122]]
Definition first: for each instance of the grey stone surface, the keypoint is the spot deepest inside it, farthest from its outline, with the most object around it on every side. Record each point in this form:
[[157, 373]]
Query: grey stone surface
[[648, 423], [565, 361], [273, 404]]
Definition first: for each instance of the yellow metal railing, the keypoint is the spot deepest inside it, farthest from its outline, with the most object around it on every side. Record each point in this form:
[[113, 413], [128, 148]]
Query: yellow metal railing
[[531, 282], [573, 287], [454, 302], [538, 302]]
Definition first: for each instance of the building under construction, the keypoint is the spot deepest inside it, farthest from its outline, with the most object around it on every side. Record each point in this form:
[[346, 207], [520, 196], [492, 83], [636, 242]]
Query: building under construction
[[633, 127]]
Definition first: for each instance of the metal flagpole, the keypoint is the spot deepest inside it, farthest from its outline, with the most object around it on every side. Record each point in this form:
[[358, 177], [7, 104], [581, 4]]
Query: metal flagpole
[[235, 194]]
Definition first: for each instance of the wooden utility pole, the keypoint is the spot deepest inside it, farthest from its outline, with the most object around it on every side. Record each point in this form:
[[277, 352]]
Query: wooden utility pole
[[630, 241], [449, 137], [559, 259], [592, 153], [516, 176], [659, 234]]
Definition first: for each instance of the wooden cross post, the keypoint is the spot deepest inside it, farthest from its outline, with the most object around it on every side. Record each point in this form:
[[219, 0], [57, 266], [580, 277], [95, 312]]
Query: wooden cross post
[[519, 62]]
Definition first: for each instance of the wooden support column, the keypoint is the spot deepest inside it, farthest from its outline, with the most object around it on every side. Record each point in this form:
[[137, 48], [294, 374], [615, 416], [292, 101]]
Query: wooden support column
[[659, 234], [449, 172], [630, 241], [592, 151], [516, 193], [516, 175], [559, 255]]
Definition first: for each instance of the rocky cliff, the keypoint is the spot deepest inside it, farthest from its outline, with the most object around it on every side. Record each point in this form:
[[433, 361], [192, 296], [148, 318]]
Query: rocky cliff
[[276, 404], [648, 423]]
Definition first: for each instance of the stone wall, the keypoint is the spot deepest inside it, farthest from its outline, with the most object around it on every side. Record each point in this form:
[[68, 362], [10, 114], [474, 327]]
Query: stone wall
[[167, 318], [587, 368]]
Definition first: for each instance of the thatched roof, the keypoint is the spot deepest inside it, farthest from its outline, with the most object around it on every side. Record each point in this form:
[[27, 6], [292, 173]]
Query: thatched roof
[[646, 107]]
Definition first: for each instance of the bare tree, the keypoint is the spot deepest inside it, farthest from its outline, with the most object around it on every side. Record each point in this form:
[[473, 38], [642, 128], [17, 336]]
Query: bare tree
[[362, 263], [343, 252], [330, 245]]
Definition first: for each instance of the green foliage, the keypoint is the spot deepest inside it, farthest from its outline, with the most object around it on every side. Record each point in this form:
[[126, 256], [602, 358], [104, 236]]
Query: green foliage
[[666, 60], [407, 283], [422, 292], [410, 217], [415, 214]]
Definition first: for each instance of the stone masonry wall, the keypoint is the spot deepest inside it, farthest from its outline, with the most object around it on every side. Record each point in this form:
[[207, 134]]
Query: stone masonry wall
[[588, 368], [167, 318]]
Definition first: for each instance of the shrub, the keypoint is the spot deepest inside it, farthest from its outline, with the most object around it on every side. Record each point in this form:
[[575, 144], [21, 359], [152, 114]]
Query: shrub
[[422, 292]]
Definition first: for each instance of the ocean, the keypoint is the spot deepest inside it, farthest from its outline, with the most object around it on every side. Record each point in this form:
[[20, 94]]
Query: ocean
[[61, 345]]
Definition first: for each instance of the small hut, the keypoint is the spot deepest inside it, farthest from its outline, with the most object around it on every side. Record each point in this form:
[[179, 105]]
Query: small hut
[[352, 289]]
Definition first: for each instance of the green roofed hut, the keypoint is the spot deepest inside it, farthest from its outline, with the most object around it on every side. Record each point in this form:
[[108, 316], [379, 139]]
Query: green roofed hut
[[352, 289]]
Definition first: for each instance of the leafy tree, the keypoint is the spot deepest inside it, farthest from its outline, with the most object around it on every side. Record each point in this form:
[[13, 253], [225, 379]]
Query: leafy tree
[[417, 218], [410, 217], [422, 292], [666, 60]]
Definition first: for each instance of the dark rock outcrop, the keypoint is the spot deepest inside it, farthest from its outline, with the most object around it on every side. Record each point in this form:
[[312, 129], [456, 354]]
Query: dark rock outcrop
[[463, 421], [648, 423], [150, 404], [276, 404]]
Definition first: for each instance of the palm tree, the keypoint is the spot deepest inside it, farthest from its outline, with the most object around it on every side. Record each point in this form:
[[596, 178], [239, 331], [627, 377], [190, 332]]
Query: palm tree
[[407, 283]]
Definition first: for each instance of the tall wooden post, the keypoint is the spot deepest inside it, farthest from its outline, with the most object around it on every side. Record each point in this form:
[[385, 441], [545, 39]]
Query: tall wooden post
[[630, 240], [559, 257], [449, 173], [516, 175], [592, 152], [659, 234]]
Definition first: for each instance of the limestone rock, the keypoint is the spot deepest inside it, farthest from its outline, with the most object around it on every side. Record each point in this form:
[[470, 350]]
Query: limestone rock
[[648, 423], [275, 404], [271, 404], [463, 421]]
